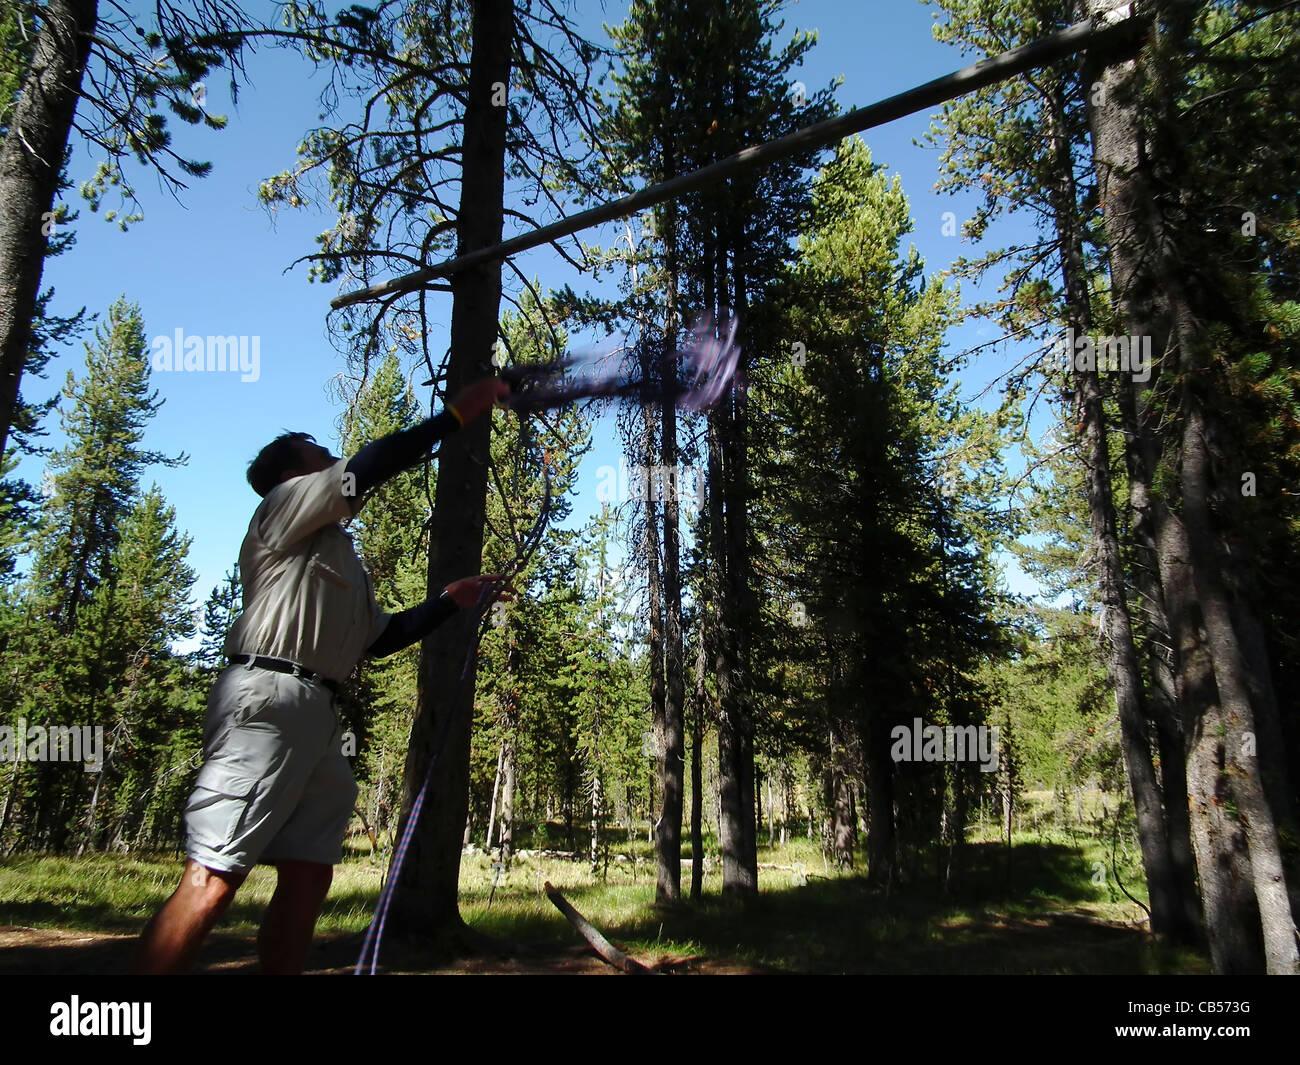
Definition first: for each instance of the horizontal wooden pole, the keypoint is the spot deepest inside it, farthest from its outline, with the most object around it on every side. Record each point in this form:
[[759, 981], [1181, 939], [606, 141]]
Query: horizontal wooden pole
[[1066, 42]]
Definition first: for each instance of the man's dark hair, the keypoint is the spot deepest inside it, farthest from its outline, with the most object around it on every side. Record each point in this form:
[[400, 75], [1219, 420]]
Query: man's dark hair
[[281, 454]]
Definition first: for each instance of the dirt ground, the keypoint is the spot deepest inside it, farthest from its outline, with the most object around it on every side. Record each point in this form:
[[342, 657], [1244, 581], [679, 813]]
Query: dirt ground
[[50, 952]]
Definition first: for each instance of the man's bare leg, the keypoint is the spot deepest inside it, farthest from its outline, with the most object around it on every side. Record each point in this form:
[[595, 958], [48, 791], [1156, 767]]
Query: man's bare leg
[[172, 939], [285, 939]]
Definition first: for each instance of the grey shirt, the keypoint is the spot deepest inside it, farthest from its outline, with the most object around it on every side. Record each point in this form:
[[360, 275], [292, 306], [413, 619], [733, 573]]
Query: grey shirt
[[307, 597]]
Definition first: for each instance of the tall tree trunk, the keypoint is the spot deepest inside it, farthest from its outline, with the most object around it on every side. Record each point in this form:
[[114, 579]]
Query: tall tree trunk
[[668, 844], [839, 799], [1008, 810], [92, 814], [426, 895], [667, 879], [30, 163], [1270, 740], [697, 760], [1222, 853], [880, 804], [1153, 300], [9, 803], [786, 808], [1184, 922], [509, 788], [496, 790], [771, 810], [1238, 722], [735, 753], [1121, 656], [508, 760], [1231, 914], [1179, 917], [379, 802], [1122, 663], [957, 847], [730, 540], [597, 798]]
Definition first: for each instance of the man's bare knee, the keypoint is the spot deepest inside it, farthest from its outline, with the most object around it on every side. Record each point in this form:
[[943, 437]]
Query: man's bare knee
[[211, 889]]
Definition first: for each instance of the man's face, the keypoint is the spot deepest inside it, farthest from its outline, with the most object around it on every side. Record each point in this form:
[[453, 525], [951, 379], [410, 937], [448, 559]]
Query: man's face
[[312, 458]]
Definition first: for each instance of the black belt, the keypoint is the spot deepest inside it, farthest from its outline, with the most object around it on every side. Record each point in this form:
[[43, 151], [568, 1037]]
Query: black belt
[[282, 666]]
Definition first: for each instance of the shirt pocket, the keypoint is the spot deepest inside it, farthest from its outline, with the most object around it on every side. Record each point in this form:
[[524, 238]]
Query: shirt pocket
[[326, 573], [341, 598]]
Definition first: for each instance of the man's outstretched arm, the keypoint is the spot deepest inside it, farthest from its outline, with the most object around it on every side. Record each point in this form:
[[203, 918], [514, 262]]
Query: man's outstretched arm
[[389, 455], [407, 626]]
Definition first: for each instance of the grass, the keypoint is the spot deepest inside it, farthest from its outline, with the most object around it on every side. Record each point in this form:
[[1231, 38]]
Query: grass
[[1060, 912]]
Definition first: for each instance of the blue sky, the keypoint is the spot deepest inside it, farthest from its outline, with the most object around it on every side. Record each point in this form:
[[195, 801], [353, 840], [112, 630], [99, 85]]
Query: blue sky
[[217, 263]]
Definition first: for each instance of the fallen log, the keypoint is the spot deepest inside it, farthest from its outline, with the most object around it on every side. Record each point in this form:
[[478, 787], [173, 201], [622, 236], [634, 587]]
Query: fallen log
[[595, 940]]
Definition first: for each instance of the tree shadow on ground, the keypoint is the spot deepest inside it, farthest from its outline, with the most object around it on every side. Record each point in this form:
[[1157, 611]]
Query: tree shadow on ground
[[1043, 920], [1040, 920]]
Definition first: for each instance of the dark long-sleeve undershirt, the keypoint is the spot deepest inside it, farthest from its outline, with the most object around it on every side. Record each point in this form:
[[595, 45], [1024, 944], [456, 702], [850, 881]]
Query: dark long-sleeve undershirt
[[407, 626], [372, 466], [391, 454]]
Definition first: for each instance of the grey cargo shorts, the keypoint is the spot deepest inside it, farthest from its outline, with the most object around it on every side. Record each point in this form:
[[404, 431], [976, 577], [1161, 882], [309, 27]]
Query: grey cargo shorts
[[275, 785]]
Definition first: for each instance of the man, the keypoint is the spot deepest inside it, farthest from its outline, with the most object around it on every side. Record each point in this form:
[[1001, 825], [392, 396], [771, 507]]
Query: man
[[275, 787]]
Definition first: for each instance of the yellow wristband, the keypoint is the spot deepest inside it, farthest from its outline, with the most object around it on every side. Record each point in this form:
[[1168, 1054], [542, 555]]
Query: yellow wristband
[[455, 414]]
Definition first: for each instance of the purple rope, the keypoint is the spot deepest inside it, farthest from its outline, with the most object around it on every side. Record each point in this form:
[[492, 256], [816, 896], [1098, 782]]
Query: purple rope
[[375, 932]]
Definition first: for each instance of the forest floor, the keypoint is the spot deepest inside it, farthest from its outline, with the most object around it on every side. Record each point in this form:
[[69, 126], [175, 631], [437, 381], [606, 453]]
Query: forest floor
[[1053, 908]]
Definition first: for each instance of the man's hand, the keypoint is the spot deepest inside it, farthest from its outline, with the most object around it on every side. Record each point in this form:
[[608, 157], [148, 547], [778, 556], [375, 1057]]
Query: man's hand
[[466, 593], [474, 399]]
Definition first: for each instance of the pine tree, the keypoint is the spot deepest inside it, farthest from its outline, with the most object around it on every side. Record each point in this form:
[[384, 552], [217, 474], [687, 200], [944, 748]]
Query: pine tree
[[1038, 159], [225, 603], [609, 719], [1133, 165], [63, 657], [391, 534], [132, 679], [526, 691], [1168, 283], [676, 113], [95, 475], [883, 604]]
